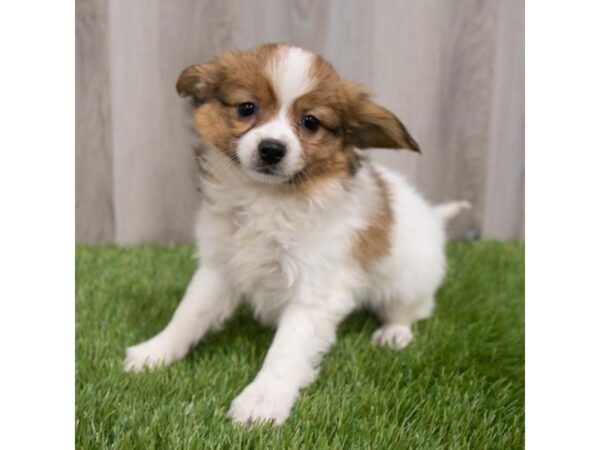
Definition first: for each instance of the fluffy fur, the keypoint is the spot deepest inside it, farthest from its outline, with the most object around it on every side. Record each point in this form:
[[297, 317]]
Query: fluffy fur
[[304, 241]]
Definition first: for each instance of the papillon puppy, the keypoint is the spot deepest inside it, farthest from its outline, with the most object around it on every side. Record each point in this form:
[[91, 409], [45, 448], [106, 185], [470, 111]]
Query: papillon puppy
[[296, 220]]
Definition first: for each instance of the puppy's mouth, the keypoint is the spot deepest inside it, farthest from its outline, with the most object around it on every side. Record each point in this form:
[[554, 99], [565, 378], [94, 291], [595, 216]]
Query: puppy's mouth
[[266, 174], [269, 170]]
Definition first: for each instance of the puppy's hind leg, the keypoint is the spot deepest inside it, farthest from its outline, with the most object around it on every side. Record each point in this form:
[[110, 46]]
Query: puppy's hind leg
[[207, 302], [397, 319]]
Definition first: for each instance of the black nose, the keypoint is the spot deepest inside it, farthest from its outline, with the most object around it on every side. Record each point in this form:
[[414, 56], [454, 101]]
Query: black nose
[[271, 151]]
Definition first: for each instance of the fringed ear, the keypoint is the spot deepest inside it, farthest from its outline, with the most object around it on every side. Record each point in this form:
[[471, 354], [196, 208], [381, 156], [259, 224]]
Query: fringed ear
[[372, 125], [198, 81], [377, 127]]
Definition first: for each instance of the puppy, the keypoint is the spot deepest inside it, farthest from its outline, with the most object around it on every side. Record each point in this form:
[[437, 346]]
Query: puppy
[[297, 222]]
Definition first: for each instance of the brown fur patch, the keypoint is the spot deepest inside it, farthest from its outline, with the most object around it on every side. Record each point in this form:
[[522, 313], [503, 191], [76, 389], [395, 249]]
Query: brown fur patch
[[235, 77], [374, 242], [326, 153]]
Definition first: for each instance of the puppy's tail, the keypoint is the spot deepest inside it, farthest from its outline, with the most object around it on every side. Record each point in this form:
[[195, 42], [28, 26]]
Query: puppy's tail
[[448, 211]]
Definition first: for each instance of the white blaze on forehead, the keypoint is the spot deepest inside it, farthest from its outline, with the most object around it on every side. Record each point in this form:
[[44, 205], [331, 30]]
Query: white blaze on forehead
[[290, 74]]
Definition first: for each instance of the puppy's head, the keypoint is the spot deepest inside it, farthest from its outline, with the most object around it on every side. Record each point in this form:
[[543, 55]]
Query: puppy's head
[[283, 115]]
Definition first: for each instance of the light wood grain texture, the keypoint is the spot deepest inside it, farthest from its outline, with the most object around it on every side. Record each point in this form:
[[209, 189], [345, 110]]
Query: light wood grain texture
[[451, 70], [504, 216], [93, 135]]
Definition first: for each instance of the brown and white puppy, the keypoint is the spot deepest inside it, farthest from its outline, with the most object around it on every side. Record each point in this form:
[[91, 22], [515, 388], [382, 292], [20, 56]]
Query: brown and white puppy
[[297, 221]]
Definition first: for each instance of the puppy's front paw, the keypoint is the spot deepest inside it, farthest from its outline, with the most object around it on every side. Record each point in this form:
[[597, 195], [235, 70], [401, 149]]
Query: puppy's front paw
[[262, 402], [394, 336], [155, 352]]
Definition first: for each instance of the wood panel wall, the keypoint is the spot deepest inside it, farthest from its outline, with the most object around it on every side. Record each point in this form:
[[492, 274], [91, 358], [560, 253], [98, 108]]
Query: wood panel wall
[[453, 71]]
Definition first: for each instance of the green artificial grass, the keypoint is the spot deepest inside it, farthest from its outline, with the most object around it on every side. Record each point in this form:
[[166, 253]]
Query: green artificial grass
[[459, 385]]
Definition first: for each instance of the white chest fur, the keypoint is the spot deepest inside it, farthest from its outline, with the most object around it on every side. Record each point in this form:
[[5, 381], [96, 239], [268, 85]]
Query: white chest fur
[[274, 247]]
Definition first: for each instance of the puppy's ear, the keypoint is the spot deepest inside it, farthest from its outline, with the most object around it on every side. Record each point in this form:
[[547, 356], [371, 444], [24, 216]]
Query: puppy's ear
[[198, 81], [372, 125]]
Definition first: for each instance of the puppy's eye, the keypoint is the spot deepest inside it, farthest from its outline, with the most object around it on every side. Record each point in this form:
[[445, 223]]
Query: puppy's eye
[[246, 109], [311, 123]]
